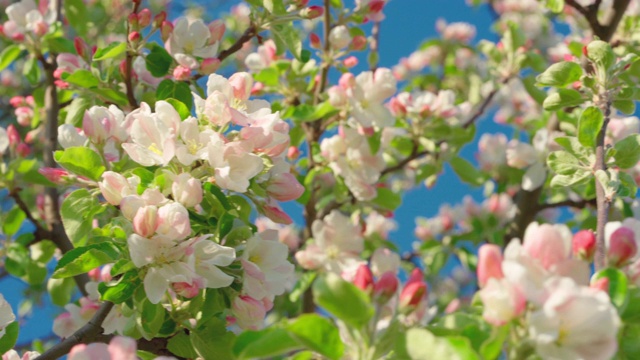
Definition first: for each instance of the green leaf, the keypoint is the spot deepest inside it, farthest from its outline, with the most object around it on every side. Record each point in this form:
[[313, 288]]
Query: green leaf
[[317, 334], [287, 36], [112, 50], [111, 95], [601, 53], [304, 282], [561, 99], [628, 185], [342, 299], [180, 345], [76, 14], [609, 181], [627, 107], [178, 90], [83, 259], [60, 290], [158, 62], [387, 199], [627, 152], [492, 347], [264, 343], [618, 284], [563, 163], [150, 319], [589, 127], [13, 221], [122, 289], [560, 74], [82, 78], [555, 6], [421, 344], [466, 171], [586, 155], [31, 70], [78, 210], [213, 342], [579, 177], [268, 76], [61, 45], [76, 110], [180, 107], [82, 161], [9, 55], [10, 337]]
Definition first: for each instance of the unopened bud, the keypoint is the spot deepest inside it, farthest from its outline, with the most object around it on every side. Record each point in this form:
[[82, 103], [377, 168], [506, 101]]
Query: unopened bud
[[144, 17], [600, 284], [165, 30], [312, 12], [181, 73], [23, 149], [41, 28], [159, 19], [13, 135], [385, 287], [55, 175], [209, 66], [134, 36], [584, 244], [358, 43], [622, 246], [350, 62], [133, 21], [489, 263], [216, 29], [293, 153], [81, 46], [376, 6], [364, 279], [315, 41]]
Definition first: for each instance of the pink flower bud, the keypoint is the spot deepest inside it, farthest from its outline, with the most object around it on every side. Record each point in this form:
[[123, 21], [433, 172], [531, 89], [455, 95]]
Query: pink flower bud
[[364, 278], [24, 115], [284, 187], [55, 175], [23, 149], [315, 41], [350, 62], [312, 12], [182, 73], [453, 306], [41, 28], [358, 43], [134, 36], [81, 46], [33, 135], [249, 312], [159, 19], [17, 101], [133, 21], [622, 246], [376, 6], [209, 66], [165, 30], [113, 186], [257, 88], [412, 295], [385, 287], [13, 135], [584, 244], [293, 152], [301, 3], [144, 17], [94, 274], [187, 290], [276, 214], [489, 263], [347, 81], [216, 29], [145, 222]]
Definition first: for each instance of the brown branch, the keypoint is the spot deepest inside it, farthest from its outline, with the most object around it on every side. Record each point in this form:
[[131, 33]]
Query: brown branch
[[568, 203], [415, 154], [603, 31], [41, 233], [86, 334], [246, 36], [619, 8], [527, 207]]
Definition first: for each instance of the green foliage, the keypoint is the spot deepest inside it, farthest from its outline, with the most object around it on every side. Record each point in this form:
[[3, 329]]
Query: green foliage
[[82, 161], [83, 259], [560, 74], [342, 300], [591, 122]]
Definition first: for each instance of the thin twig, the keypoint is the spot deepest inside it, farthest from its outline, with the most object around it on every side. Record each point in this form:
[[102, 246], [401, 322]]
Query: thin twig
[[603, 201], [86, 334], [326, 53], [131, 53], [375, 44]]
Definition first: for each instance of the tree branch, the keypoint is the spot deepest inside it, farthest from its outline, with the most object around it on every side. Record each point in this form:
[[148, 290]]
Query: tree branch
[[326, 64], [375, 44], [246, 36], [86, 334], [568, 203], [131, 53], [602, 201]]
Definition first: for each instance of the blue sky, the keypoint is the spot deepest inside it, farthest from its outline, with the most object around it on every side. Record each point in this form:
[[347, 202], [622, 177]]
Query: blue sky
[[408, 23]]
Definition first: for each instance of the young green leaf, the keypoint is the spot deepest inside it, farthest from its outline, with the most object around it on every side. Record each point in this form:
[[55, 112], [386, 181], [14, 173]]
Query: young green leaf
[[589, 127]]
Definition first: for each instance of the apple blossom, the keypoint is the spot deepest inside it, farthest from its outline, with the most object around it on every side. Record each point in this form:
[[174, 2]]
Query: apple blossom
[[502, 301], [190, 39], [13, 355], [575, 322], [383, 261], [186, 190], [6, 315], [4, 141], [339, 37], [153, 135], [248, 312], [120, 347], [584, 244], [364, 278], [489, 264], [366, 95]]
